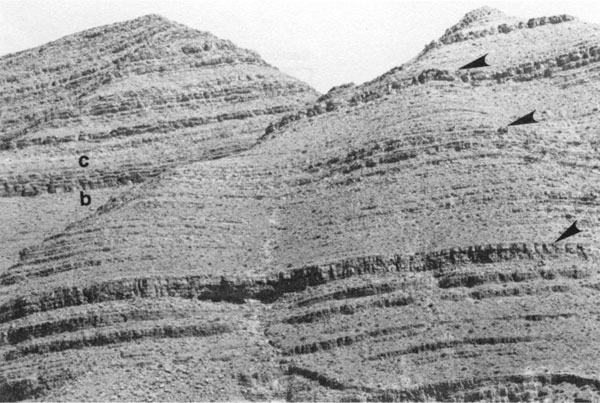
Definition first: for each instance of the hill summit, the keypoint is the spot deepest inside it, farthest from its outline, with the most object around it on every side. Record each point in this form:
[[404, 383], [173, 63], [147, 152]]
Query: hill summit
[[484, 15], [148, 81], [138, 98], [398, 240]]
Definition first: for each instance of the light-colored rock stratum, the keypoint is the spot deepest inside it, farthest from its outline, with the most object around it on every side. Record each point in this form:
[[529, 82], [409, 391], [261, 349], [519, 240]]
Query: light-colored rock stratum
[[392, 241]]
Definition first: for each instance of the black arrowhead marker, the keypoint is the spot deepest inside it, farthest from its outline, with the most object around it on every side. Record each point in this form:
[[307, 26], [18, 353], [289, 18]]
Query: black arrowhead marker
[[572, 230], [525, 120], [476, 63]]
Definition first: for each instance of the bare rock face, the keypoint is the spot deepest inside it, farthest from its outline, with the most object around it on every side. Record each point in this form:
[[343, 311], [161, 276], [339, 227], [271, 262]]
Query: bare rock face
[[393, 241], [517, 50], [139, 97]]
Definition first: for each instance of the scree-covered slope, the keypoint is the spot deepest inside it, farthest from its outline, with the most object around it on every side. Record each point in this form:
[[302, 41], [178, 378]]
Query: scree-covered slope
[[394, 241], [137, 98]]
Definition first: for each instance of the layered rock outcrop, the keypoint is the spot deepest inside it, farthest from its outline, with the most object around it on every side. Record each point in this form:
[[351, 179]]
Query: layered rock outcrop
[[138, 98], [169, 92], [395, 244]]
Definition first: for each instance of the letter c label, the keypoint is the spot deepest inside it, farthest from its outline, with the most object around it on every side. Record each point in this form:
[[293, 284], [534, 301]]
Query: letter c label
[[82, 163]]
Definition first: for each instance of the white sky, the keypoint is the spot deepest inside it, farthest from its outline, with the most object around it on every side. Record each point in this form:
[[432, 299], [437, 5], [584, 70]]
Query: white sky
[[324, 43]]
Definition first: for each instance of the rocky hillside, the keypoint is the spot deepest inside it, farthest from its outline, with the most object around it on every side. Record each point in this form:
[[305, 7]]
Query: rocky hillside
[[517, 51], [138, 98], [394, 241], [171, 93]]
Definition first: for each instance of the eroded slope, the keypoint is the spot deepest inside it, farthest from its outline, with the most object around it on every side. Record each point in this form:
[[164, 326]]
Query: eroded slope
[[148, 84], [396, 248], [138, 98]]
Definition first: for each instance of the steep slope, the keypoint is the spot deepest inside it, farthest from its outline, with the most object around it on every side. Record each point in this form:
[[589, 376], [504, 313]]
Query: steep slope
[[149, 84], [392, 242], [516, 51], [137, 98]]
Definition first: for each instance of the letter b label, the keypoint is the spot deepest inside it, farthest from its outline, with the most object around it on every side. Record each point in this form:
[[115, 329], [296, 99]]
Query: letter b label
[[86, 200]]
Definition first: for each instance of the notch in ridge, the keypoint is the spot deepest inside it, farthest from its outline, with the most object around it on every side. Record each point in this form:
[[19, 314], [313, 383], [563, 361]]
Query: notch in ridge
[[476, 63]]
